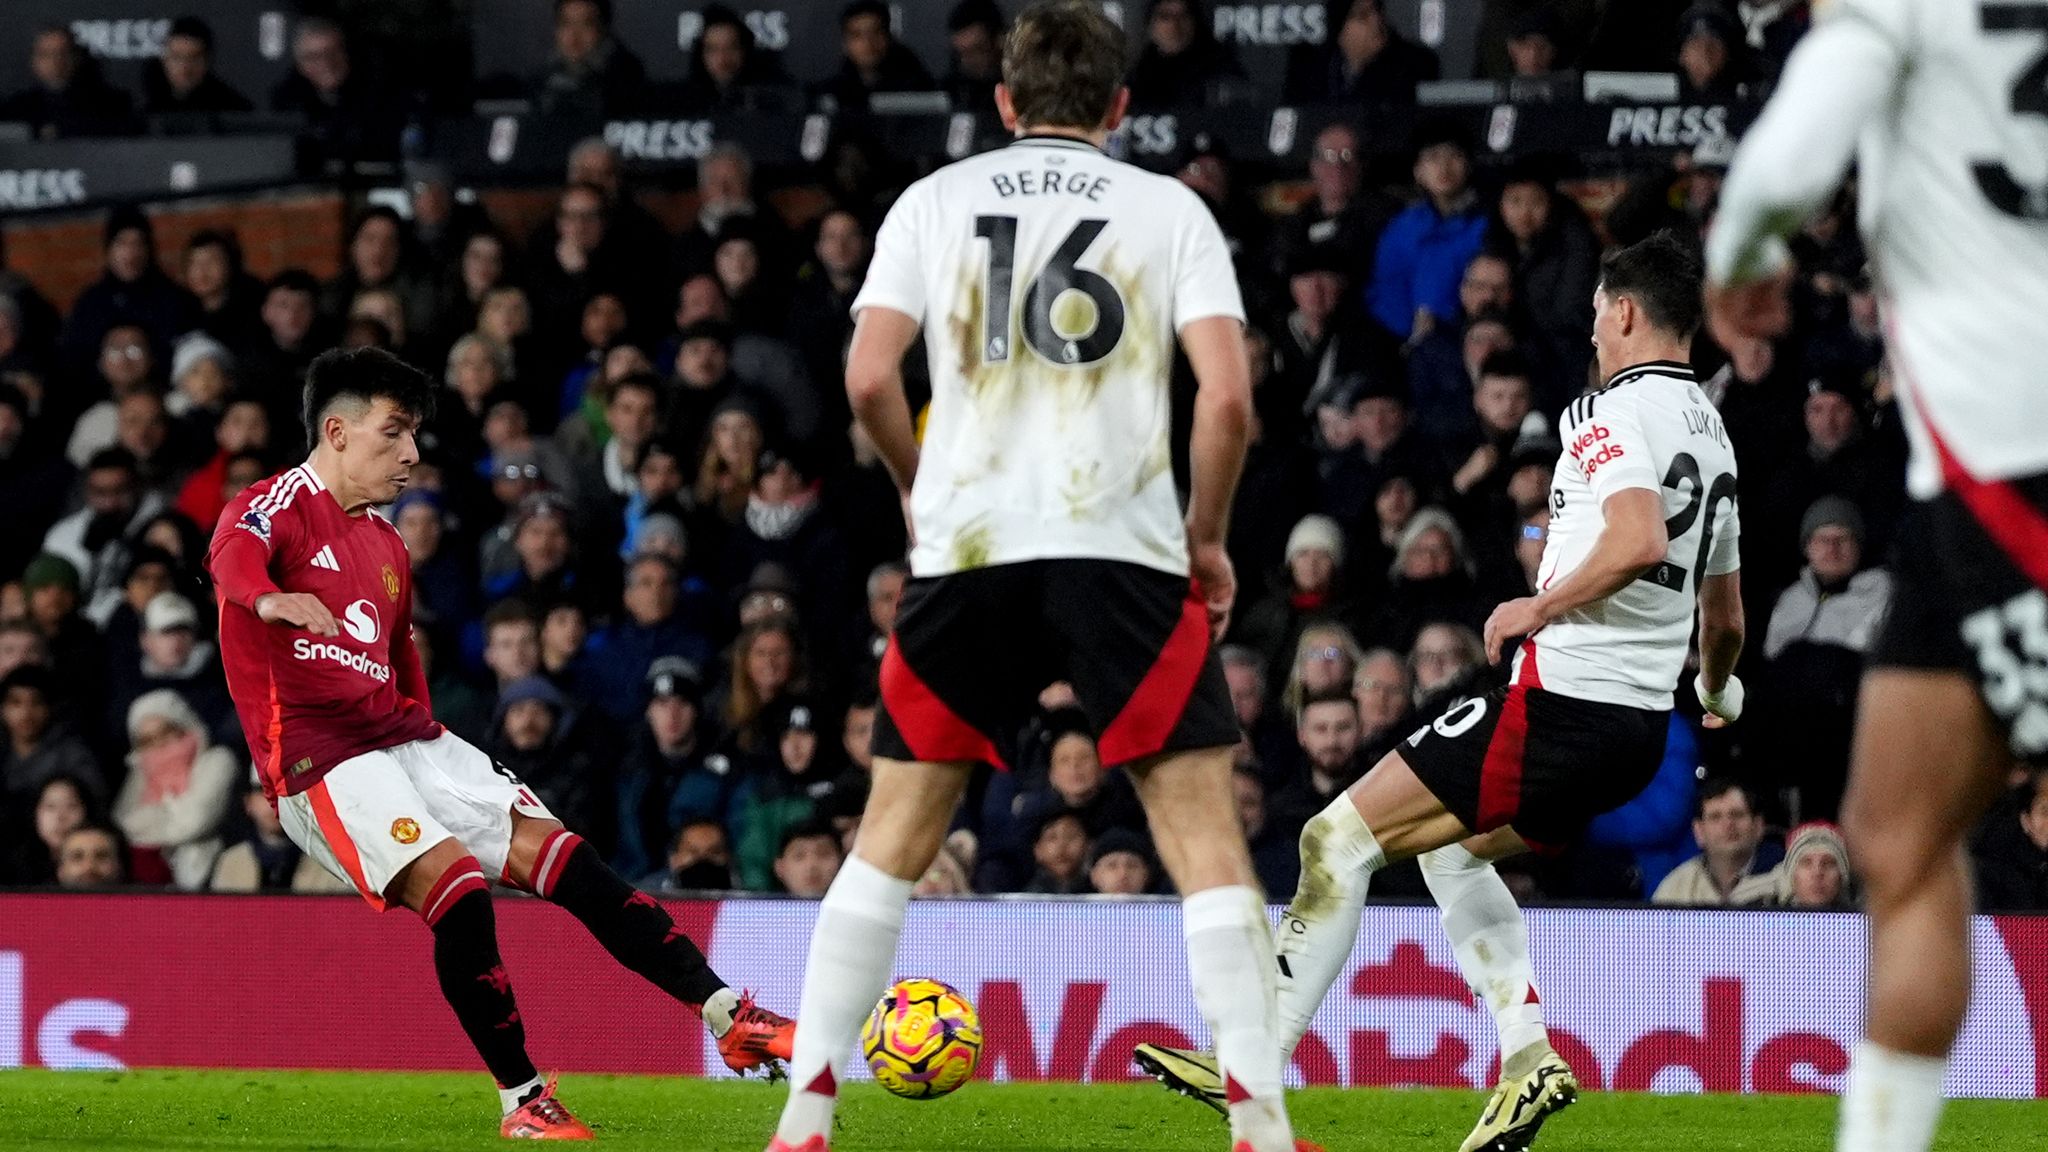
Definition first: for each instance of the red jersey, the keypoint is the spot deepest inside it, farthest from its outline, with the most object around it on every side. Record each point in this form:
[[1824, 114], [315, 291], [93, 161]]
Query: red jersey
[[308, 702]]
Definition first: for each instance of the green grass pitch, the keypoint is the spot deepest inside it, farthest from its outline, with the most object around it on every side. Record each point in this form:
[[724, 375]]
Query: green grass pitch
[[133, 1111]]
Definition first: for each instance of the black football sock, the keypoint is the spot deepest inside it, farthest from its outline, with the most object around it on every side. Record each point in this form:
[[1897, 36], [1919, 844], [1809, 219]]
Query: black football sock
[[472, 975], [631, 925]]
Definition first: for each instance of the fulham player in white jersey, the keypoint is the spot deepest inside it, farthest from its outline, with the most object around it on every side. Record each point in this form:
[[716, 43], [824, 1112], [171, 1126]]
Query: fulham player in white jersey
[[1050, 283], [1943, 104], [1643, 529]]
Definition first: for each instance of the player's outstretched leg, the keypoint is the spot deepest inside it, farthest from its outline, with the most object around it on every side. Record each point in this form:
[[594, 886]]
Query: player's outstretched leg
[[1927, 763], [1491, 942], [447, 888], [1223, 917], [639, 933], [854, 941]]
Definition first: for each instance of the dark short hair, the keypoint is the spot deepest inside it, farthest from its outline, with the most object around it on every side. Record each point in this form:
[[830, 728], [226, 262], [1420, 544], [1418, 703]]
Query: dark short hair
[[193, 28], [363, 375], [604, 9], [512, 611], [1661, 273], [646, 382], [1715, 787], [1063, 63], [676, 840], [859, 8], [1328, 696], [975, 13], [33, 677], [1507, 362], [222, 239], [293, 280], [112, 458], [809, 830]]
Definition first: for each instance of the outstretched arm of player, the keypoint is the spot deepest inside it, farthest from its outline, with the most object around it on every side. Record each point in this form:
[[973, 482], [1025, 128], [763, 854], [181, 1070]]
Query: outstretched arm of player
[[1721, 636], [241, 570], [1631, 539], [1790, 162], [1223, 416], [874, 388]]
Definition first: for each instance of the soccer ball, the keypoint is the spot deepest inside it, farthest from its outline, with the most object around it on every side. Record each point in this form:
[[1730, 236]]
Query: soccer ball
[[923, 1040]]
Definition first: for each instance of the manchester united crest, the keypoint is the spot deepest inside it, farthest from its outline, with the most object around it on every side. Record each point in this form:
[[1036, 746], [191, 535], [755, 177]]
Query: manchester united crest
[[405, 829], [391, 583]]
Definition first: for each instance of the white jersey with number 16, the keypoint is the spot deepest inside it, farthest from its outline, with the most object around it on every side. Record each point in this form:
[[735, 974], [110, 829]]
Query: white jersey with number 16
[[1651, 427], [1051, 281]]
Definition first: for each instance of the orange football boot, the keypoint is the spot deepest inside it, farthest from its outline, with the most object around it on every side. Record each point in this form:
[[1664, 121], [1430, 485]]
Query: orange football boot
[[814, 1144], [758, 1038], [544, 1118], [1300, 1145]]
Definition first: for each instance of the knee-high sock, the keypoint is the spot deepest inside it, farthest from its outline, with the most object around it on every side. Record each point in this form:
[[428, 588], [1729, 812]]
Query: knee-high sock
[[1492, 945], [1891, 1103], [1232, 968], [852, 947], [473, 979], [1320, 927], [632, 926]]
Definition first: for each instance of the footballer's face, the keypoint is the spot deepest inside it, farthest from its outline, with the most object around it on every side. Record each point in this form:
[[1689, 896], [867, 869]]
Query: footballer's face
[[377, 448]]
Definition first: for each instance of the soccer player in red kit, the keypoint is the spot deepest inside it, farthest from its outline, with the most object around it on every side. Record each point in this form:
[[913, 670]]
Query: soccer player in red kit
[[316, 636]]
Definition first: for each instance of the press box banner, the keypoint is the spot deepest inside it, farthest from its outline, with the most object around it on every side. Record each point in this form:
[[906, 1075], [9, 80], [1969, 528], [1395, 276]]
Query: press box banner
[[1637, 999]]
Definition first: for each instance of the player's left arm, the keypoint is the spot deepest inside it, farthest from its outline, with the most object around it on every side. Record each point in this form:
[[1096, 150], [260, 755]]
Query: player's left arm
[[1614, 457], [1792, 160], [887, 314], [874, 388]]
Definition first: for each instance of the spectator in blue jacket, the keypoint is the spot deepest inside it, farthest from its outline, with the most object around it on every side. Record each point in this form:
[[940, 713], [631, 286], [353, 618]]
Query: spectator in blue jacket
[[1423, 253], [649, 627]]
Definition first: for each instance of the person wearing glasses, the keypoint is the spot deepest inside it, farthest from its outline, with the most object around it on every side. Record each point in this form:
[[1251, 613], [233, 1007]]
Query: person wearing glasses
[[1345, 215]]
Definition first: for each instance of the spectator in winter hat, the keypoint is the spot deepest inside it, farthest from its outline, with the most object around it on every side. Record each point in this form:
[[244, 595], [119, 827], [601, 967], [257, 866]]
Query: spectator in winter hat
[[1815, 871], [1834, 601], [178, 786], [1309, 587], [1714, 59], [1120, 864]]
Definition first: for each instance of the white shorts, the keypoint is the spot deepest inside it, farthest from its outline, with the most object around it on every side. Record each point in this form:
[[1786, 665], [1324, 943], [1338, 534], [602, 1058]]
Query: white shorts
[[373, 814]]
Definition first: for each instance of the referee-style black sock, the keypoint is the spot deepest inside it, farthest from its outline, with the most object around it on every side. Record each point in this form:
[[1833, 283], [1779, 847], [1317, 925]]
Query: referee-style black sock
[[474, 981], [633, 927]]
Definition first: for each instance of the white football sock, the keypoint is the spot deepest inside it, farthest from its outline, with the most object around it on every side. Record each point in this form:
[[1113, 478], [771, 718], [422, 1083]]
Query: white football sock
[[509, 1099], [1892, 1101], [1491, 942], [1231, 964], [852, 947], [718, 1010], [1320, 927]]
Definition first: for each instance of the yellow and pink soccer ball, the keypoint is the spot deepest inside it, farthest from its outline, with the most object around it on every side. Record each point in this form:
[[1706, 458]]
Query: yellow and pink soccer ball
[[923, 1040]]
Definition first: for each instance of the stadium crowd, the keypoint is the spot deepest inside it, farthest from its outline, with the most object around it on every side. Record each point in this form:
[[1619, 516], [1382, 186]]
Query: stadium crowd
[[655, 566]]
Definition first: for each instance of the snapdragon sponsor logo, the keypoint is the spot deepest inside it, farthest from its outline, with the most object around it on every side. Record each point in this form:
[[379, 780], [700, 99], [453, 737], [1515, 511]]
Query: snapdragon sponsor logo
[[304, 649]]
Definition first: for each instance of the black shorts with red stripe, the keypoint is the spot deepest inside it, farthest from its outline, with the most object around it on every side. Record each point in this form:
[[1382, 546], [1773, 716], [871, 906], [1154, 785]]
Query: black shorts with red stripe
[[972, 651], [1542, 763], [1969, 568]]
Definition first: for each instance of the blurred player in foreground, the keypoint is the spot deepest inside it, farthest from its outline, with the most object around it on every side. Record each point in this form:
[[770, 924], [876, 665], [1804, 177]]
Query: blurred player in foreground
[[1944, 107], [1050, 282], [1643, 526], [316, 636]]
